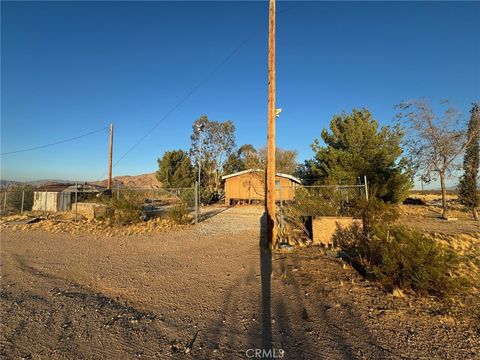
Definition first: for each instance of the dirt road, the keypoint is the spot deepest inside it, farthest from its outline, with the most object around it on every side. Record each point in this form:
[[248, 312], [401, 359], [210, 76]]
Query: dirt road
[[197, 293]]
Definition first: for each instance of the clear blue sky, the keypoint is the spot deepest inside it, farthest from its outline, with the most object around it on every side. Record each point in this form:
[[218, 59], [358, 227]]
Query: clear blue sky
[[72, 67]]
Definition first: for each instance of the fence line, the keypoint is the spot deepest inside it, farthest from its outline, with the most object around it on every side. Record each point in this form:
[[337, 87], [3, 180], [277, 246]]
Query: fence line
[[23, 198]]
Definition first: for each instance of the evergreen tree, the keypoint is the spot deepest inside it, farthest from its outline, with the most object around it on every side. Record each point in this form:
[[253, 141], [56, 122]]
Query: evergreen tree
[[246, 157], [468, 188], [175, 169], [356, 146]]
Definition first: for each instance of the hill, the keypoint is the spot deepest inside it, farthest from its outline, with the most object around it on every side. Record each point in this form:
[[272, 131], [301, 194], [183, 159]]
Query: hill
[[34, 183], [143, 181]]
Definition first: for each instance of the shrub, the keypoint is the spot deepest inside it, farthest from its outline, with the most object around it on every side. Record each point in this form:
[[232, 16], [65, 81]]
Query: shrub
[[188, 197], [317, 203], [291, 226], [14, 197], [126, 210], [375, 214], [208, 196], [398, 257], [179, 214]]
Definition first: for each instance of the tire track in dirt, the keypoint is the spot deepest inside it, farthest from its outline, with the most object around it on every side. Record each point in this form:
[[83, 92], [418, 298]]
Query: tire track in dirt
[[73, 319]]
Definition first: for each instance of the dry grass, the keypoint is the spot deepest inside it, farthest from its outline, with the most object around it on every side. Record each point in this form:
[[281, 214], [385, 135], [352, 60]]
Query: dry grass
[[461, 235]]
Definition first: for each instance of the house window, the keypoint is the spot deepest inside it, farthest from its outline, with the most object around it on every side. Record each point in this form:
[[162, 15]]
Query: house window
[[277, 184]]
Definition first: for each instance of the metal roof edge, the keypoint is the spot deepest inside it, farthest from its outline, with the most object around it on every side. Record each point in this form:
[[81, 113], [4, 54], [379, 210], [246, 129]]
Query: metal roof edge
[[291, 177]]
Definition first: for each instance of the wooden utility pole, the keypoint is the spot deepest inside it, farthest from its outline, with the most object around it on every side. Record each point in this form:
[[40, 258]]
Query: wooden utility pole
[[110, 156], [270, 176]]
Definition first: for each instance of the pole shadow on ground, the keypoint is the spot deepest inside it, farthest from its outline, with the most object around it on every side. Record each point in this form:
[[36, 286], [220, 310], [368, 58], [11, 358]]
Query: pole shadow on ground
[[265, 275]]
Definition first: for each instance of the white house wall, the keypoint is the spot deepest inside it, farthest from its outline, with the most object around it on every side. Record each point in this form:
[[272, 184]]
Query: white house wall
[[54, 202], [63, 201]]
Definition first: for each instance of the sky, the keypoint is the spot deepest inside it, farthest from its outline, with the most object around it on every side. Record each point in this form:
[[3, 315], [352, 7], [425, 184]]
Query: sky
[[69, 68]]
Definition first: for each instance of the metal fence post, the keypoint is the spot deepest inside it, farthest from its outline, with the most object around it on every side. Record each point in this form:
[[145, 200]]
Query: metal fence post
[[196, 202], [366, 186], [23, 199], [46, 197], [118, 191], [76, 201], [280, 196]]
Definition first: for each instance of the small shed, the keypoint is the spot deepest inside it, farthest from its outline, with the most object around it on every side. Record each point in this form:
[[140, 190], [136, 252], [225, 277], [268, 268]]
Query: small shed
[[249, 186], [57, 197]]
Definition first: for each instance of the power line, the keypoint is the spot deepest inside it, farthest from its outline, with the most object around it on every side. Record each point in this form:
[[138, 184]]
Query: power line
[[193, 90], [186, 97], [53, 144]]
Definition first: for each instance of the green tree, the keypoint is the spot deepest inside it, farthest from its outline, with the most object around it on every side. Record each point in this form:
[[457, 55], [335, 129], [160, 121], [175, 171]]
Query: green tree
[[212, 144], [175, 169], [306, 172], [285, 160], [468, 188], [356, 146], [233, 164], [246, 157]]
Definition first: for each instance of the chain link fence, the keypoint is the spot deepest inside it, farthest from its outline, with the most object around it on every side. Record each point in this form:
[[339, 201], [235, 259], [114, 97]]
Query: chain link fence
[[22, 198], [16, 199], [300, 205], [157, 202], [324, 200]]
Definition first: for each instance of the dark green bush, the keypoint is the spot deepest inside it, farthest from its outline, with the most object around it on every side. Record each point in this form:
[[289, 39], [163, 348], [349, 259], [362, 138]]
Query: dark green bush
[[188, 197], [398, 257], [125, 210], [208, 196], [179, 214], [317, 203], [375, 215]]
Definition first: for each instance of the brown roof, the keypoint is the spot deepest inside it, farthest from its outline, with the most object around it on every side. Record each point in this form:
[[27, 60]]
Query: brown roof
[[59, 187], [53, 187], [291, 177]]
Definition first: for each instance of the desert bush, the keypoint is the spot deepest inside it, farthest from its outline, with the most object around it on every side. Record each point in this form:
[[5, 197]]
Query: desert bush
[[291, 226], [208, 196], [14, 197], [124, 210], [179, 214], [315, 203], [188, 197], [375, 214], [398, 257]]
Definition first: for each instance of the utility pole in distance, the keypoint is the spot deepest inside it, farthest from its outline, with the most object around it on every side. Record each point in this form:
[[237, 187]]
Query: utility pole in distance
[[270, 176], [110, 156]]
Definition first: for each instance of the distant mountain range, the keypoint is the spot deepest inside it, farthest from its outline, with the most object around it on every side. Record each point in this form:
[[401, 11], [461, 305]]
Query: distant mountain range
[[5, 183], [143, 181]]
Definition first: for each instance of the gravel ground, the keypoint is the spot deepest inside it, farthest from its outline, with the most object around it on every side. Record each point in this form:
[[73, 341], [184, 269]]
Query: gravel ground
[[205, 293]]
